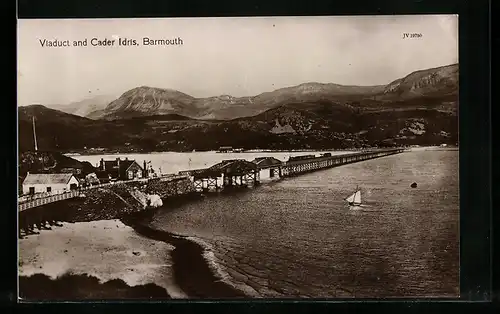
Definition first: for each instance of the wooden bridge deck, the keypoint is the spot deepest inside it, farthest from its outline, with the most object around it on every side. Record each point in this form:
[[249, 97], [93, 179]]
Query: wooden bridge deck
[[295, 167]]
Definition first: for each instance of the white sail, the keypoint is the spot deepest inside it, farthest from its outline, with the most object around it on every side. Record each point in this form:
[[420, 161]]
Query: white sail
[[354, 198], [357, 197], [350, 199]]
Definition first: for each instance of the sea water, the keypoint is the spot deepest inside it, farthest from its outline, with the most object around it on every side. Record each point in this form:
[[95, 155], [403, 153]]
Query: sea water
[[297, 237]]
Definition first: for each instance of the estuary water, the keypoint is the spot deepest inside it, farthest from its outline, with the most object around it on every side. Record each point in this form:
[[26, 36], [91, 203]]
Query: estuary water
[[297, 237]]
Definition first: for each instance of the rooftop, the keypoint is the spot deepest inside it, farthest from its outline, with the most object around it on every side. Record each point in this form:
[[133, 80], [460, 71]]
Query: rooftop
[[47, 178]]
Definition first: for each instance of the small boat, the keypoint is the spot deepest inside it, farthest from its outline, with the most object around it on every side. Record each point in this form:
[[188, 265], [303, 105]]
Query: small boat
[[355, 198]]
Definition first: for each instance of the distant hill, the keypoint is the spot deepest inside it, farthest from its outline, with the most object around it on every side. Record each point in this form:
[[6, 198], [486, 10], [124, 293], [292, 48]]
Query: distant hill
[[326, 124], [85, 107], [430, 82], [145, 101], [320, 124], [435, 84], [436, 87]]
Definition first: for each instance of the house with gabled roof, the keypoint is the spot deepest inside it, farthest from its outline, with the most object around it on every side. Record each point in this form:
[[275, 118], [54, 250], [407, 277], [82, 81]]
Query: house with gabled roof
[[49, 183]]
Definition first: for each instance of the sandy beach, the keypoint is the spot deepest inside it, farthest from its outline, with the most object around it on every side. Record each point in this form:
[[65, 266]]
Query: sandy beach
[[196, 278], [105, 249]]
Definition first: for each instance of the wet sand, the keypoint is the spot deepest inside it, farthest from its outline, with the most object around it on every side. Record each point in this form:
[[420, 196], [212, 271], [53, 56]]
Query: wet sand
[[191, 271], [116, 258]]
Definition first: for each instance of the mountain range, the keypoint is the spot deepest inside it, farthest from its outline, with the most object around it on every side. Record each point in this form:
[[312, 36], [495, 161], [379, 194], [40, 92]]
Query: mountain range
[[420, 108]]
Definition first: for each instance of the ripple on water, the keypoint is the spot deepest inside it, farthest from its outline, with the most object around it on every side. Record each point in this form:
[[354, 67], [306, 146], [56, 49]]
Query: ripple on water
[[296, 237]]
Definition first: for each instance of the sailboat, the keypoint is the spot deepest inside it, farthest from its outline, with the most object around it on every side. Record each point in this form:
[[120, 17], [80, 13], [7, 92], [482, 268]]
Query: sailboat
[[355, 198]]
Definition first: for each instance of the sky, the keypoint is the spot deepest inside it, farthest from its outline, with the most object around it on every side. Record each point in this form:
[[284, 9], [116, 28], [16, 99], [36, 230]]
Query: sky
[[232, 56]]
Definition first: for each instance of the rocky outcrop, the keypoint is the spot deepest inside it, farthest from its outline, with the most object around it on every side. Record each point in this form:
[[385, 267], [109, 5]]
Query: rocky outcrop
[[146, 200]]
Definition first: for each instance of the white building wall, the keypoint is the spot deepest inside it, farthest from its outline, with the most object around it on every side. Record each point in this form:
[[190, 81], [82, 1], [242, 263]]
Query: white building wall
[[42, 188]]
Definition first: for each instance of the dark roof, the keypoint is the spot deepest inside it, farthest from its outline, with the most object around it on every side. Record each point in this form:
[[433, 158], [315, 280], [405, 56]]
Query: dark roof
[[266, 161], [47, 178], [106, 173], [232, 167], [124, 164]]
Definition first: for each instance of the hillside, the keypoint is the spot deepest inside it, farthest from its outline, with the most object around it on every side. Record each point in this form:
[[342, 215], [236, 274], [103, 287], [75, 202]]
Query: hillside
[[429, 82], [436, 87], [421, 108], [59, 131], [320, 124], [45, 161], [325, 124]]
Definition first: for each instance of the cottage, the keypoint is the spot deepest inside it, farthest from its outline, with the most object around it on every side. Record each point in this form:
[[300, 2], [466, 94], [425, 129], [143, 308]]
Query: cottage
[[49, 182], [121, 169]]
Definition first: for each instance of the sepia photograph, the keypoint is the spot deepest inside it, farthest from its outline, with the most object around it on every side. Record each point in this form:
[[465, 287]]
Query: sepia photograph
[[309, 157]]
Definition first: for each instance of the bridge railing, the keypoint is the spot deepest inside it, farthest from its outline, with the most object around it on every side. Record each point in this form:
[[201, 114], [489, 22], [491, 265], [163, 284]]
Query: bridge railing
[[72, 193], [46, 200]]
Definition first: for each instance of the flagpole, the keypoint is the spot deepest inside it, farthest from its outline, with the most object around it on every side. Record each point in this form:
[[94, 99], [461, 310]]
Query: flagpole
[[34, 134]]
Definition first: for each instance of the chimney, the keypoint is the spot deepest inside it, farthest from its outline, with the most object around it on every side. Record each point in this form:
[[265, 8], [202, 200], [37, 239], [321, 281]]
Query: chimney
[[145, 170], [102, 166]]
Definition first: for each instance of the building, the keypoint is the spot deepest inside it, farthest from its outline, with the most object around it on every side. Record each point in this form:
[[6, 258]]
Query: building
[[269, 167], [49, 183], [148, 171], [225, 149], [120, 169]]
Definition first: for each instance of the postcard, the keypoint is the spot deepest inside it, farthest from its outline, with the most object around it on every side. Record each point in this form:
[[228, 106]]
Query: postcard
[[238, 158]]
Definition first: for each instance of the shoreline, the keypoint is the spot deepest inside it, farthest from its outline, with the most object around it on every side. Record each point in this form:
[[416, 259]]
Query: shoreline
[[94, 260], [47, 264], [195, 278]]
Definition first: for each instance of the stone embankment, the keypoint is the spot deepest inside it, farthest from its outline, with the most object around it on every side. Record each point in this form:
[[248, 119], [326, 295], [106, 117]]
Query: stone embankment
[[110, 202]]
